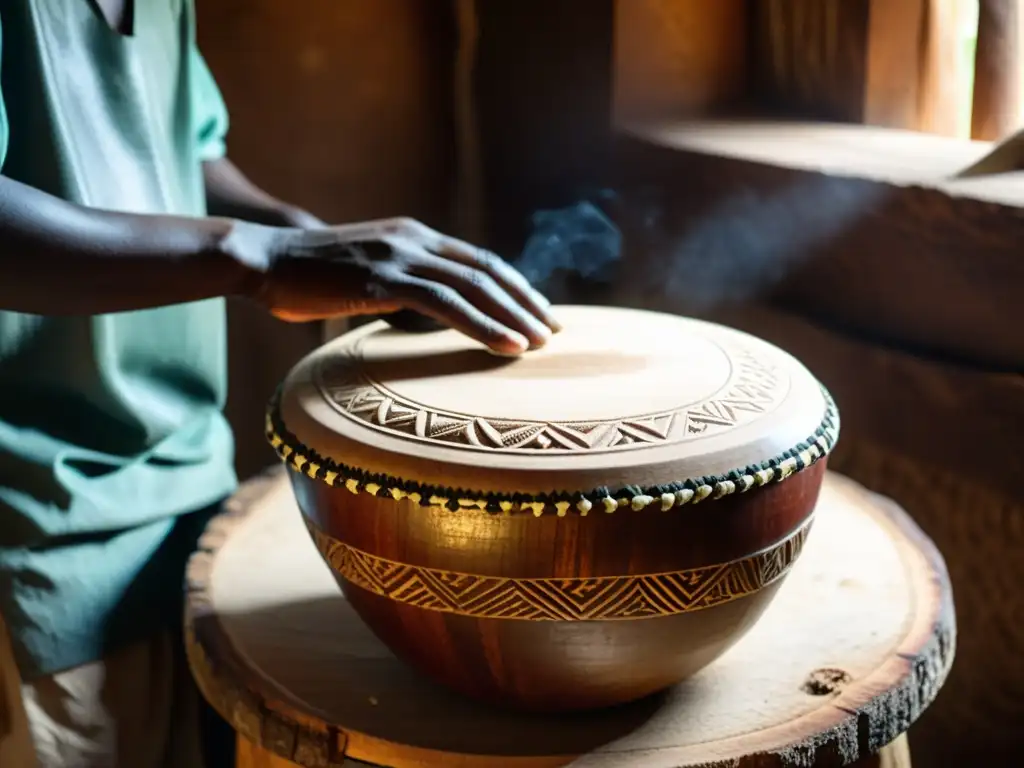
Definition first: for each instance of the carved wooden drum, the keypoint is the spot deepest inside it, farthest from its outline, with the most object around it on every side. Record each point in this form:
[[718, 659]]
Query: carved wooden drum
[[578, 527]]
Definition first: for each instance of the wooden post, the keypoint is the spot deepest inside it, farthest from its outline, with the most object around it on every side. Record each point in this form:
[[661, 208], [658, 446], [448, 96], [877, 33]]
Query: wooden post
[[997, 76], [943, 91], [878, 62]]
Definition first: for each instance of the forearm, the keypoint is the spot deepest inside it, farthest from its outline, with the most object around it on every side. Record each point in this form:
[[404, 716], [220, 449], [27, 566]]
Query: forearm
[[57, 258], [230, 193]]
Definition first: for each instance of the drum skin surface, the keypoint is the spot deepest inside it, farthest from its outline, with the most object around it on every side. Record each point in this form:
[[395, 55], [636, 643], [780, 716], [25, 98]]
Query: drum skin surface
[[575, 528]]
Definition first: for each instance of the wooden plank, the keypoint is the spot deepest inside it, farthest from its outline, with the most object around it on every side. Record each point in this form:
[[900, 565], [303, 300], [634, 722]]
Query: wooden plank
[[997, 63], [865, 229]]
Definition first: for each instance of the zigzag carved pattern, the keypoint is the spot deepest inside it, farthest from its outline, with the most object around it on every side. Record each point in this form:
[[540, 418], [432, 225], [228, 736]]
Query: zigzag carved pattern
[[753, 390], [580, 599]]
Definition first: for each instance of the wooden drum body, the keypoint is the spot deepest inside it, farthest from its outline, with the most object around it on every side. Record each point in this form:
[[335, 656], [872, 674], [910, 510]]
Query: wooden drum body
[[579, 527]]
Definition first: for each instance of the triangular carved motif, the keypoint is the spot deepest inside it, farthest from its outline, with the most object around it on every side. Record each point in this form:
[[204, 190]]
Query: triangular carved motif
[[754, 390], [546, 599]]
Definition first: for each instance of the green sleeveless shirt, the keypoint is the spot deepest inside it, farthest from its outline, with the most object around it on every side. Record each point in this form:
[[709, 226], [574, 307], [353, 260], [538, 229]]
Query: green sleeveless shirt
[[110, 426]]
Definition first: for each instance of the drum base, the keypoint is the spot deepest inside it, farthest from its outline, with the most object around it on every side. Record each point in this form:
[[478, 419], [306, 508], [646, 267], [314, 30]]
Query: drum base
[[858, 640]]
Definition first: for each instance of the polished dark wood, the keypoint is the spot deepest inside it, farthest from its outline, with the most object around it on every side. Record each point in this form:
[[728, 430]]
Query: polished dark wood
[[559, 665], [523, 546]]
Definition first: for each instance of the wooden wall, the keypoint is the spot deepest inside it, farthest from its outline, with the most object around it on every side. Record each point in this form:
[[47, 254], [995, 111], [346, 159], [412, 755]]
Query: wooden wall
[[344, 107]]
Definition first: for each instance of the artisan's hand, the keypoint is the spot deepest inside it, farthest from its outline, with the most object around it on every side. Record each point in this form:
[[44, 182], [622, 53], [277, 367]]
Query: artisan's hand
[[379, 267], [58, 258]]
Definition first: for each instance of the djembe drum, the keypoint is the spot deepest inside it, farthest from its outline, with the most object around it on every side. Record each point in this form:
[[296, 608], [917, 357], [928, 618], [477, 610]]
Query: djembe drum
[[574, 528]]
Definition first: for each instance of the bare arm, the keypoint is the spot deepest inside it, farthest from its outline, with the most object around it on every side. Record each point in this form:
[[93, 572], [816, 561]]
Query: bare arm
[[57, 258], [230, 193]]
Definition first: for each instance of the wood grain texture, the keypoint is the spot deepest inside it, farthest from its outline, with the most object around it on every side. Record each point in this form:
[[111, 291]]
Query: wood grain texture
[[345, 108], [998, 60], [809, 57], [251, 755], [864, 229], [975, 721], [470, 221], [878, 62], [278, 651], [677, 59], [941, 439], [464, 597]]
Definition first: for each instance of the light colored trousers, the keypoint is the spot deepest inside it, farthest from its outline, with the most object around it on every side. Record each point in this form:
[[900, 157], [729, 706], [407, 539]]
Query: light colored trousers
[[138, 708]]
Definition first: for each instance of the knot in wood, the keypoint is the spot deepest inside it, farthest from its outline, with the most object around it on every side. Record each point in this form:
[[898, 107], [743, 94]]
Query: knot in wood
[[826, 682]]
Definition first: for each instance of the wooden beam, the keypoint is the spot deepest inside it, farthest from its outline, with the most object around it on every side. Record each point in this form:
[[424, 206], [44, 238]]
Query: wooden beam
[[997, 76], [866, 229]]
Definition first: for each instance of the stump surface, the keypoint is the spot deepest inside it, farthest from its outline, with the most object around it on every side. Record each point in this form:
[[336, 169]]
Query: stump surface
[[853, 649]]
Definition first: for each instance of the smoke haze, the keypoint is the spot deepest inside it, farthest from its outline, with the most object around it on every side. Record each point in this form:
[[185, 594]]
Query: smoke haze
[[741, 247]]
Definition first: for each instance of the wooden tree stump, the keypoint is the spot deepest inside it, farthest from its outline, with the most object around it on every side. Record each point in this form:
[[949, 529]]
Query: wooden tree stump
[[856, 645]]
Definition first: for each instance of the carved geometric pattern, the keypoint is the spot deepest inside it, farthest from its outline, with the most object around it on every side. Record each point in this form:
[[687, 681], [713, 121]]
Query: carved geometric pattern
[[753, 389], [580, 599]]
